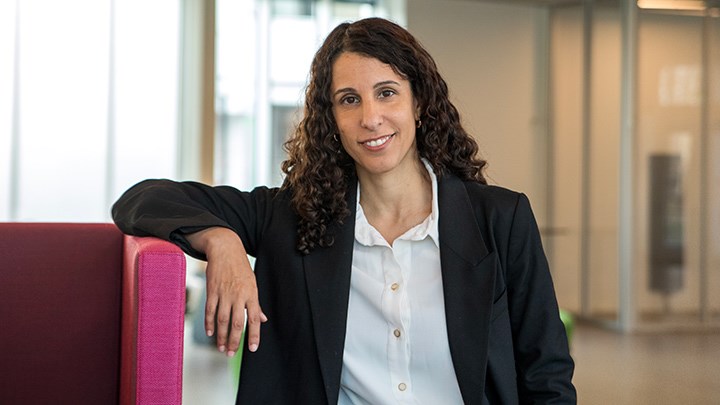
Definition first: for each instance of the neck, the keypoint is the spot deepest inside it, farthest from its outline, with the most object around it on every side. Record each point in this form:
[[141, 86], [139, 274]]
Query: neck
[[396, 202]]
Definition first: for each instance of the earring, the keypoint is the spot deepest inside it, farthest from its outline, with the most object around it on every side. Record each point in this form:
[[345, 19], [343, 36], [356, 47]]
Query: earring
[[339, 146], [418, 123]]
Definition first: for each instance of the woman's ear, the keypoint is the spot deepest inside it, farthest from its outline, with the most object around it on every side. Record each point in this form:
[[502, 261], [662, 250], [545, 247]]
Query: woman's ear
[[416, 107]]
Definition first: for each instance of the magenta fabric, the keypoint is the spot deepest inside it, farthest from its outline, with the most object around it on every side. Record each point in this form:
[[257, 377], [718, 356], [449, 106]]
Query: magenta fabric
[[61, 287], [154, 307]]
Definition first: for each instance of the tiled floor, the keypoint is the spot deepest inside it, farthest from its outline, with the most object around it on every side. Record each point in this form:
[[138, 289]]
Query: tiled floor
[[681, 368]]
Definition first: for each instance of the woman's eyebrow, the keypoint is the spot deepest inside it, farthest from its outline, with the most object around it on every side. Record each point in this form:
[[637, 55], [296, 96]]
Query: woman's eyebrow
[[385, 83], [344, 90], [352, 90]]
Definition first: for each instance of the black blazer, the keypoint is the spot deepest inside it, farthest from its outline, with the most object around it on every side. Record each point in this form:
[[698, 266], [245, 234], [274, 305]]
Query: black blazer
[[506, 339]]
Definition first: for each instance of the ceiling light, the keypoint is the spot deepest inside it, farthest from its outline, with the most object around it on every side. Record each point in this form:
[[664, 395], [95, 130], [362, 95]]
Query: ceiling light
[[672, 4]]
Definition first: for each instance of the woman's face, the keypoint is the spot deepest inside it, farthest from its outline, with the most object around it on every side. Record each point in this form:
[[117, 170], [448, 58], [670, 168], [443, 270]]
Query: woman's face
[[375, 112]]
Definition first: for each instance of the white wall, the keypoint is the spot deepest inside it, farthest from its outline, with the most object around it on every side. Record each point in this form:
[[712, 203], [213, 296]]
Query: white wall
[[493, 59]]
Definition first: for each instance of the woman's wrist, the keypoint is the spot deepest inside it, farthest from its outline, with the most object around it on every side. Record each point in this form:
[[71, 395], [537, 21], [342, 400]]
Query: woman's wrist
[[213, 239]]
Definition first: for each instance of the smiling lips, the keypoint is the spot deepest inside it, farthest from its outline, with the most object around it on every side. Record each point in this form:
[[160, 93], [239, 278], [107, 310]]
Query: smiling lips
[[377, 143]]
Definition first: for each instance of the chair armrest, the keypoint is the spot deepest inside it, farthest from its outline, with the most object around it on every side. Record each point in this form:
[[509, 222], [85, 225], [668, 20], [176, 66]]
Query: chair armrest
[[152, 322]]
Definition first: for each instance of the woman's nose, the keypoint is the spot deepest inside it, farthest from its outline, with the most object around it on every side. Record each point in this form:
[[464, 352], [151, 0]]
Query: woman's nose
[[371, 115]]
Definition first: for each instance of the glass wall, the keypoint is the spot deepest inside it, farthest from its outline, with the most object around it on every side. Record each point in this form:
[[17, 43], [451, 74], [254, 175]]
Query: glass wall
[[676, 131], [710, 298], [603, 164], [566, 60], [585, 93], [660, 71], [668, 133]]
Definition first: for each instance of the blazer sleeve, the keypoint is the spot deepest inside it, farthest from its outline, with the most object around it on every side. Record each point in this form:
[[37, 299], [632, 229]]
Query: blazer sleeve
[[169, 210], [543, 363]]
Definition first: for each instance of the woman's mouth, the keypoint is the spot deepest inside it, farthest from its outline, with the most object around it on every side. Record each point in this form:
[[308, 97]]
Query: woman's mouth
[[378, 142]]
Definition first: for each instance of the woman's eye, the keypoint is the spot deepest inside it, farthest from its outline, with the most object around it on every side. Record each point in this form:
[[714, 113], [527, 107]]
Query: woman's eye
[[349, 100], [387, 93]]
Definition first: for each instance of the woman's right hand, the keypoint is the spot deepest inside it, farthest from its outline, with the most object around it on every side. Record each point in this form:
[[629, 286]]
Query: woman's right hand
[[231, 290]]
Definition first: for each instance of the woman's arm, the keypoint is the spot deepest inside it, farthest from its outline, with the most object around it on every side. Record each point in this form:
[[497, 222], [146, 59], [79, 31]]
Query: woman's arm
[[204, 220]]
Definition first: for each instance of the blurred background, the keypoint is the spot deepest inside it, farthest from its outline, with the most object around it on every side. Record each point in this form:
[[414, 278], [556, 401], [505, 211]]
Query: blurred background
[[605, 113]]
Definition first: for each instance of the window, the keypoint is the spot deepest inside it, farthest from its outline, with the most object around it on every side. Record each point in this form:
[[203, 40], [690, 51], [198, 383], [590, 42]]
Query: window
[[88, 104]]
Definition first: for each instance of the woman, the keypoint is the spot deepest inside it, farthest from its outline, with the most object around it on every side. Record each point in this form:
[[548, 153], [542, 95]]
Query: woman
[[387, 269]]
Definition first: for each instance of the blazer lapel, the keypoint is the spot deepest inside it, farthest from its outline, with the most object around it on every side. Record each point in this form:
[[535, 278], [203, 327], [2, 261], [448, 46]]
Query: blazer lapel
[[468, 272], [327, 274]]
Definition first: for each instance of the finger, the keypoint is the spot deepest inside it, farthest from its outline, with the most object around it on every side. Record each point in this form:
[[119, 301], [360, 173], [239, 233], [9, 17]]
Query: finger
[[223, 324], [211, 304], [237, 325], [255, 318]]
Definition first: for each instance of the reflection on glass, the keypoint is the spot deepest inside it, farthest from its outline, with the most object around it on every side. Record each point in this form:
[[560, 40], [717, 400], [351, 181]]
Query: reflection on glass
[[666, 223]]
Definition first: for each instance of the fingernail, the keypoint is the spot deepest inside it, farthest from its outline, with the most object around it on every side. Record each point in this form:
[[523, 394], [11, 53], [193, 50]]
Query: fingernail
[[222, 349], [264, 318], [253, 347], [231, 353], [208, 332]]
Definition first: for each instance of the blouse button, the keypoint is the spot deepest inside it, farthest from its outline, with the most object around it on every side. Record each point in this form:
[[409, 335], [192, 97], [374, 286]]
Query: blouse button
[[402, 386], [396, 332], [394, 286]]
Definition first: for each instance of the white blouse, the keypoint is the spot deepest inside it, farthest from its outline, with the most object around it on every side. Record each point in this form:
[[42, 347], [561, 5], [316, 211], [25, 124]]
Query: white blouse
[[396, 346]]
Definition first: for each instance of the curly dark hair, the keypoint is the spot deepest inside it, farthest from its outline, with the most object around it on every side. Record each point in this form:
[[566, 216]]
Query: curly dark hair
[[318, 169]]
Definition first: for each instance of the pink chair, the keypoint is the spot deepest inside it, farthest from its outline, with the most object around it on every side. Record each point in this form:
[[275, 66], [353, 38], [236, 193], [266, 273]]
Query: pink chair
[[89, 316]]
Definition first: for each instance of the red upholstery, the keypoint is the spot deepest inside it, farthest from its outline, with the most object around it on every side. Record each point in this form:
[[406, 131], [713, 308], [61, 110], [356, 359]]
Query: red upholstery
[[89, 316]]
